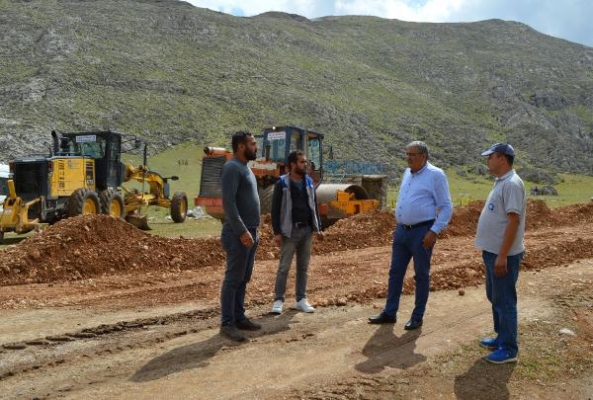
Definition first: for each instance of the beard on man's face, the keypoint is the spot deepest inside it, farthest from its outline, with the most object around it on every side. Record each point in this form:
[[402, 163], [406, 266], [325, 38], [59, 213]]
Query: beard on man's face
[[295, 168], [250, 155]]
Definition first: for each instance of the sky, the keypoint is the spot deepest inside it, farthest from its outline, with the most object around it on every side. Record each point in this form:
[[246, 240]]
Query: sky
[[565, 19]]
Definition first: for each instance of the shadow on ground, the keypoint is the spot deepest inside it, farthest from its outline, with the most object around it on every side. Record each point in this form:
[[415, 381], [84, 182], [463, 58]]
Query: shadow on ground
[[484, 381], [385, 349], [198, 355]]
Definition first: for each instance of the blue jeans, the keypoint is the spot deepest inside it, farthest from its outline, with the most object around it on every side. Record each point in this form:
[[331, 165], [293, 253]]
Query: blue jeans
[[501, 291], [299, 243], [239, 267], [407, 244]]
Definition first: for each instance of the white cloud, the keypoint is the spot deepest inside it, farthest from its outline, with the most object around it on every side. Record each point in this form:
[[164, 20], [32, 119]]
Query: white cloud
[[307, 8], [424, 11], [568, 19]]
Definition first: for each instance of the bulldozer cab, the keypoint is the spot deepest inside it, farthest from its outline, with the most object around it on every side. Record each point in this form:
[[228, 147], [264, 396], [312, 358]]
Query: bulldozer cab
[[277, 142]]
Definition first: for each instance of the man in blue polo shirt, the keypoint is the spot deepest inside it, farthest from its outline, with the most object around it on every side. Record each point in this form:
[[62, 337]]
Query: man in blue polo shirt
[[423, 210], [500, 233]]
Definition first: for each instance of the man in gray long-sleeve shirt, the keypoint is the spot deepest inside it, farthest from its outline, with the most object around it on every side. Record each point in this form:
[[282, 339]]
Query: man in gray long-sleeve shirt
[[239, 235]]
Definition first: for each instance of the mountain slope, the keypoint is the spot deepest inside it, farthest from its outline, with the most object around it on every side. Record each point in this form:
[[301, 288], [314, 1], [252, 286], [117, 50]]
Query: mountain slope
[[170, 72]]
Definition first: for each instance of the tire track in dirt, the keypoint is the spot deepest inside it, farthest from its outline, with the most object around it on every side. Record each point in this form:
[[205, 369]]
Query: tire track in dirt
[[84, 263], [49, 351]]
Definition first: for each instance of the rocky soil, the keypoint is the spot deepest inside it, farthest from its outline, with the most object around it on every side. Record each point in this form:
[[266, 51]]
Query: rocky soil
[[93, 307]]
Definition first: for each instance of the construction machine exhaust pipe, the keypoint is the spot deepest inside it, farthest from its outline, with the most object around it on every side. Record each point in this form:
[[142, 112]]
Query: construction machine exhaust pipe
[[139, 221], [55, 143]]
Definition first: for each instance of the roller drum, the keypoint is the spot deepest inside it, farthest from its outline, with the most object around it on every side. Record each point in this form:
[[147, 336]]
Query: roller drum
[[327, 192]]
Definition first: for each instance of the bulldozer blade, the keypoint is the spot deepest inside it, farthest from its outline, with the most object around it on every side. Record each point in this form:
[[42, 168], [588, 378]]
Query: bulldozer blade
[[139, 221]]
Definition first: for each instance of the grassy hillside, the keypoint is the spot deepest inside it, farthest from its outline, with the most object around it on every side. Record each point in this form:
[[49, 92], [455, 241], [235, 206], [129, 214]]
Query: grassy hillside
[[173, 73]]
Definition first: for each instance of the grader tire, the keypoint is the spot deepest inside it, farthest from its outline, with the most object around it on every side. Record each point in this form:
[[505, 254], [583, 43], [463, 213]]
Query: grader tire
[[112, 203], [179, 207], [82, 202]]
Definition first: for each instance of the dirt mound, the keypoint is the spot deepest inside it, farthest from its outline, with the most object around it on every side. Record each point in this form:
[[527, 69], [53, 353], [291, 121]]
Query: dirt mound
[[89, 246], [539, 215], [95, 245], [464, 219], [577, 212], [360, 231]]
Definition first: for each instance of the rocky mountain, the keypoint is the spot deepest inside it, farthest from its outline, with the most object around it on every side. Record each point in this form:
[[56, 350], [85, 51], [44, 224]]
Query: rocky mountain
[[170, 72]]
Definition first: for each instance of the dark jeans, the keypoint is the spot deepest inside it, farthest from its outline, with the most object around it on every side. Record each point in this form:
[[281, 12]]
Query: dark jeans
[[407, 244], [502, 293], [239, 267]]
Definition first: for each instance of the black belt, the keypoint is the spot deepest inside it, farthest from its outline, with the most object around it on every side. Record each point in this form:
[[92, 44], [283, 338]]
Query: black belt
[[300, 224], [418, 225]]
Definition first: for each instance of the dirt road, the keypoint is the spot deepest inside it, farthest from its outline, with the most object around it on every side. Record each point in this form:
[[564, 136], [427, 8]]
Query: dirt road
[[83, 317]]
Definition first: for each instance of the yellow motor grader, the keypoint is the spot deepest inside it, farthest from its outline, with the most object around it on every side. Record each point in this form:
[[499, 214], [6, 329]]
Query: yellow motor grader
[[83, 175]]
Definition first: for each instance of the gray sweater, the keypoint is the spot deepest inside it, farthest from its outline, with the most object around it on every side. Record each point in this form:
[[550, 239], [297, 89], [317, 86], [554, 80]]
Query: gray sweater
[[239, 197]]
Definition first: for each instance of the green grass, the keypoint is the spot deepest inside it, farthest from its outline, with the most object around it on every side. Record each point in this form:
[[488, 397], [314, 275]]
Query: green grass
[[463, 189], [573, 189], [469, 188], [191, 228]]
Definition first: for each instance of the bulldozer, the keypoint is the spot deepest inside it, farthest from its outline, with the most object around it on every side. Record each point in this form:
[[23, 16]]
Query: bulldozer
[[342, 198], [83, 174]]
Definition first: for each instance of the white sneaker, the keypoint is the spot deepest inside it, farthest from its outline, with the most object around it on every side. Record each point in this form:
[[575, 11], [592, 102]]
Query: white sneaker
[[304, 305], [277, 307]]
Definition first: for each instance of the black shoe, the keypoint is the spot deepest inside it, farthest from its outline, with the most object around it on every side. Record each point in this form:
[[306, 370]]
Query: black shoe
[[247, 325], [382, 319], [231, 332], [413, 323]]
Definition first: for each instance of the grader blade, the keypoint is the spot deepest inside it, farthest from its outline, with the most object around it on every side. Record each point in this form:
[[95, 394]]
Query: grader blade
[[139, 221]]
